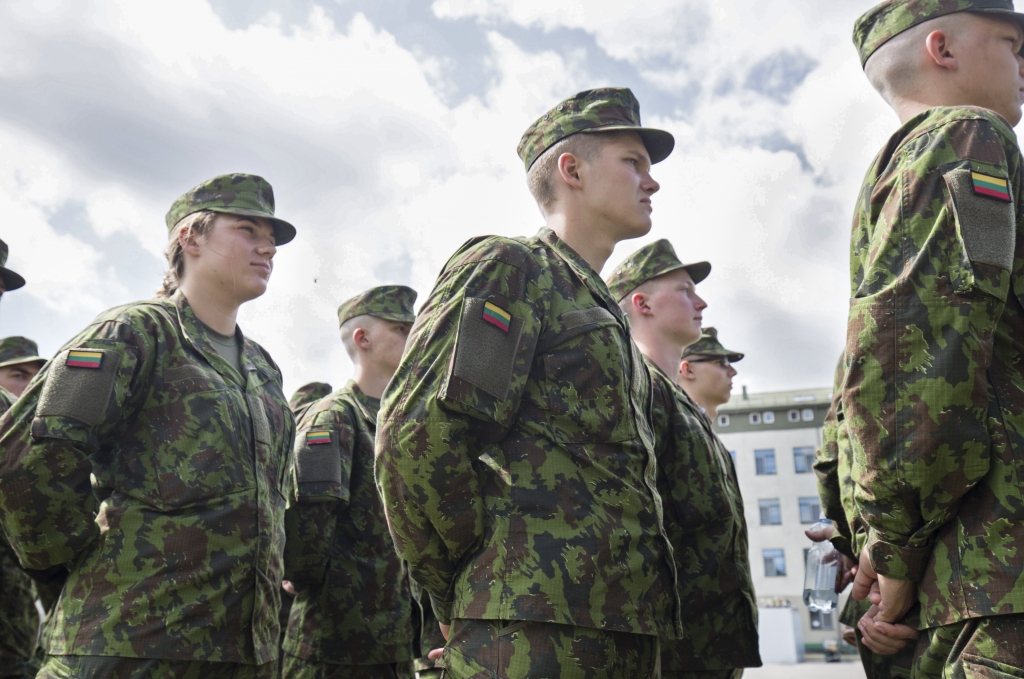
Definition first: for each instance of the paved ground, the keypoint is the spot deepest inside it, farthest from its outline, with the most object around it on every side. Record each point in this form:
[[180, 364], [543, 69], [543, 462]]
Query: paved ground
[[848, 669]]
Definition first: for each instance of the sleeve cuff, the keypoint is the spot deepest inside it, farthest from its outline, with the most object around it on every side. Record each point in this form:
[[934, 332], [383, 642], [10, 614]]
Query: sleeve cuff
[[442, 610], [896, 561]]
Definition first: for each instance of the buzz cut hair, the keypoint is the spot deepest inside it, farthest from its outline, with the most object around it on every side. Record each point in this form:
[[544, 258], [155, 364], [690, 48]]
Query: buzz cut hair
[[540, 178], [648, 287], [895, 68]]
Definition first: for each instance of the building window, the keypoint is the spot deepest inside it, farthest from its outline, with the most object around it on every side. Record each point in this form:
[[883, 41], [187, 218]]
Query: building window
[[803, 459], [821, 620], [754, 418], [774, 563], [723, 420], [768, 417], [793, 415], [810, 509], [764, 461], [807, 414], [771, 512]]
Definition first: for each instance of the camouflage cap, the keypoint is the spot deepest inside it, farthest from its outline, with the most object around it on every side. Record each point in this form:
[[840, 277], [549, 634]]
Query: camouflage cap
[[708, 345], [235, 194], [602, 110], [887, 20], [15, 350], [651, 261], [390, 302], [308, 394], [12, 281]]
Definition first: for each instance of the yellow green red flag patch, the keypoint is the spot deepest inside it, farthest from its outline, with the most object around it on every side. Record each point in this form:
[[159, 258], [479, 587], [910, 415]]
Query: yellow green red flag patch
[[987, 185], [497, 316], [81, 358], [314, 438]]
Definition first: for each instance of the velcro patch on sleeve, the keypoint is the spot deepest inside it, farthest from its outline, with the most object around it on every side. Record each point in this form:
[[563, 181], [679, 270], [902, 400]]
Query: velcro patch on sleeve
[[486, 352], [987, 226], [79, 392], [317, 458]]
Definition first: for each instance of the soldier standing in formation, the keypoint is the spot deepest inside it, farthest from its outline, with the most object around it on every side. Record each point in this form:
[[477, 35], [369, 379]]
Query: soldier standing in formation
[[175, 557], [305, 396], [514, 451], [19, 620], [706, 372], [19, 363], [352, 615], [696, 478], [929, 415]]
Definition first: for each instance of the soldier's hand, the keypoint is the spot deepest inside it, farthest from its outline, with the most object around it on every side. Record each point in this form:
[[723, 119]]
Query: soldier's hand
[[866, 580], [882, 637], [435, 654], [444, 630], [895, 598], [287, 586]]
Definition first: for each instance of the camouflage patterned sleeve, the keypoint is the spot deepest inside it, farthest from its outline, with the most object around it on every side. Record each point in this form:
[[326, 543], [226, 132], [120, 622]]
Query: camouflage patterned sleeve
[[826, 467], [930, 251], [47, 505], [324, 447], [454, 394]]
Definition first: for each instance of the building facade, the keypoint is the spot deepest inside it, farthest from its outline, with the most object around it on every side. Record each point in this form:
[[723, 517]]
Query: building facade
[[773, 437]]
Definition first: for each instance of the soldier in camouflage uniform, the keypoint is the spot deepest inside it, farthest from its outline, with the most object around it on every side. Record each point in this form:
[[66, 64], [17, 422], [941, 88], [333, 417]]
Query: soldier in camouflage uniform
[[706, 372], [696, 478], [932, 390], [352, 615], [19, 620], [176, 554], [19, 363], [514, 450], [428, 634]]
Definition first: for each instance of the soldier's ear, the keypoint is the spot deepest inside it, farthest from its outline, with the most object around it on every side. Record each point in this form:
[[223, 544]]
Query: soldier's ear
[[361, 338], [568, 169], [938, 45]]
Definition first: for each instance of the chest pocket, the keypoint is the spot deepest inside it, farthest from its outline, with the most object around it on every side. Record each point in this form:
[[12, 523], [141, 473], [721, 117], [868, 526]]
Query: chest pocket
[[193, 444], [985, 229], [587, 378]]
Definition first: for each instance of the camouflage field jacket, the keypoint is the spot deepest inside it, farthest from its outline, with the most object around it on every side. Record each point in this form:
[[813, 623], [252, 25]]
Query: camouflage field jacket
[[932, 389], [705, 523], [514, 449], [353, 605], [183, 557]]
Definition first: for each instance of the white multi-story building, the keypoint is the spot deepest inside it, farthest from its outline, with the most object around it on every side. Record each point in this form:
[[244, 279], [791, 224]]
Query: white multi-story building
[[773, 437]]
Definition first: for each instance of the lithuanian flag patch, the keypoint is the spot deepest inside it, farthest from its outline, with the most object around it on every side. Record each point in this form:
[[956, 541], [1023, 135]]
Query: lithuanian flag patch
[[497, 316], [83, 358], [987, 185], [315, 438]]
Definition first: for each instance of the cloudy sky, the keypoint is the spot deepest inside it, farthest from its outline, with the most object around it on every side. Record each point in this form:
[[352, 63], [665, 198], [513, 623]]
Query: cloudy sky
[[388, 129]]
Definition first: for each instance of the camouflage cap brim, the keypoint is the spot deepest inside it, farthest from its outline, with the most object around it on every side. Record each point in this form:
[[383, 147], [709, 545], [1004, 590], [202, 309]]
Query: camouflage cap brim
[[733, 356], [12, 280], [24, 359], [659, 143], [283, 231]]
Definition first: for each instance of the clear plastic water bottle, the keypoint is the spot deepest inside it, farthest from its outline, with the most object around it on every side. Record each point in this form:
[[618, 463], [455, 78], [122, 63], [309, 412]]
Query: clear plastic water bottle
[[820, 577]]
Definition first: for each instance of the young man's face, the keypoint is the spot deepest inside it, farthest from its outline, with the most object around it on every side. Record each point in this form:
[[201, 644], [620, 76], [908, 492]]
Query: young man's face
[[991, 70], [618, 186], [677, 307], [14, 378], [237, 255], [712, 377]]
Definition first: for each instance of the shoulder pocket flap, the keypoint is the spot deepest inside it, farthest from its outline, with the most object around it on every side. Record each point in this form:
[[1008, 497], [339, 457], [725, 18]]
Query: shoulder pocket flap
[[318, 456], [485, 353], [79, 389], [190, 371], [577, 318], [987, 225]]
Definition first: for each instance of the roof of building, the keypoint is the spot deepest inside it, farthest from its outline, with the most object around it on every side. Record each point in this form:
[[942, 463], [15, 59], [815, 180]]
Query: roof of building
[[797, 398]]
